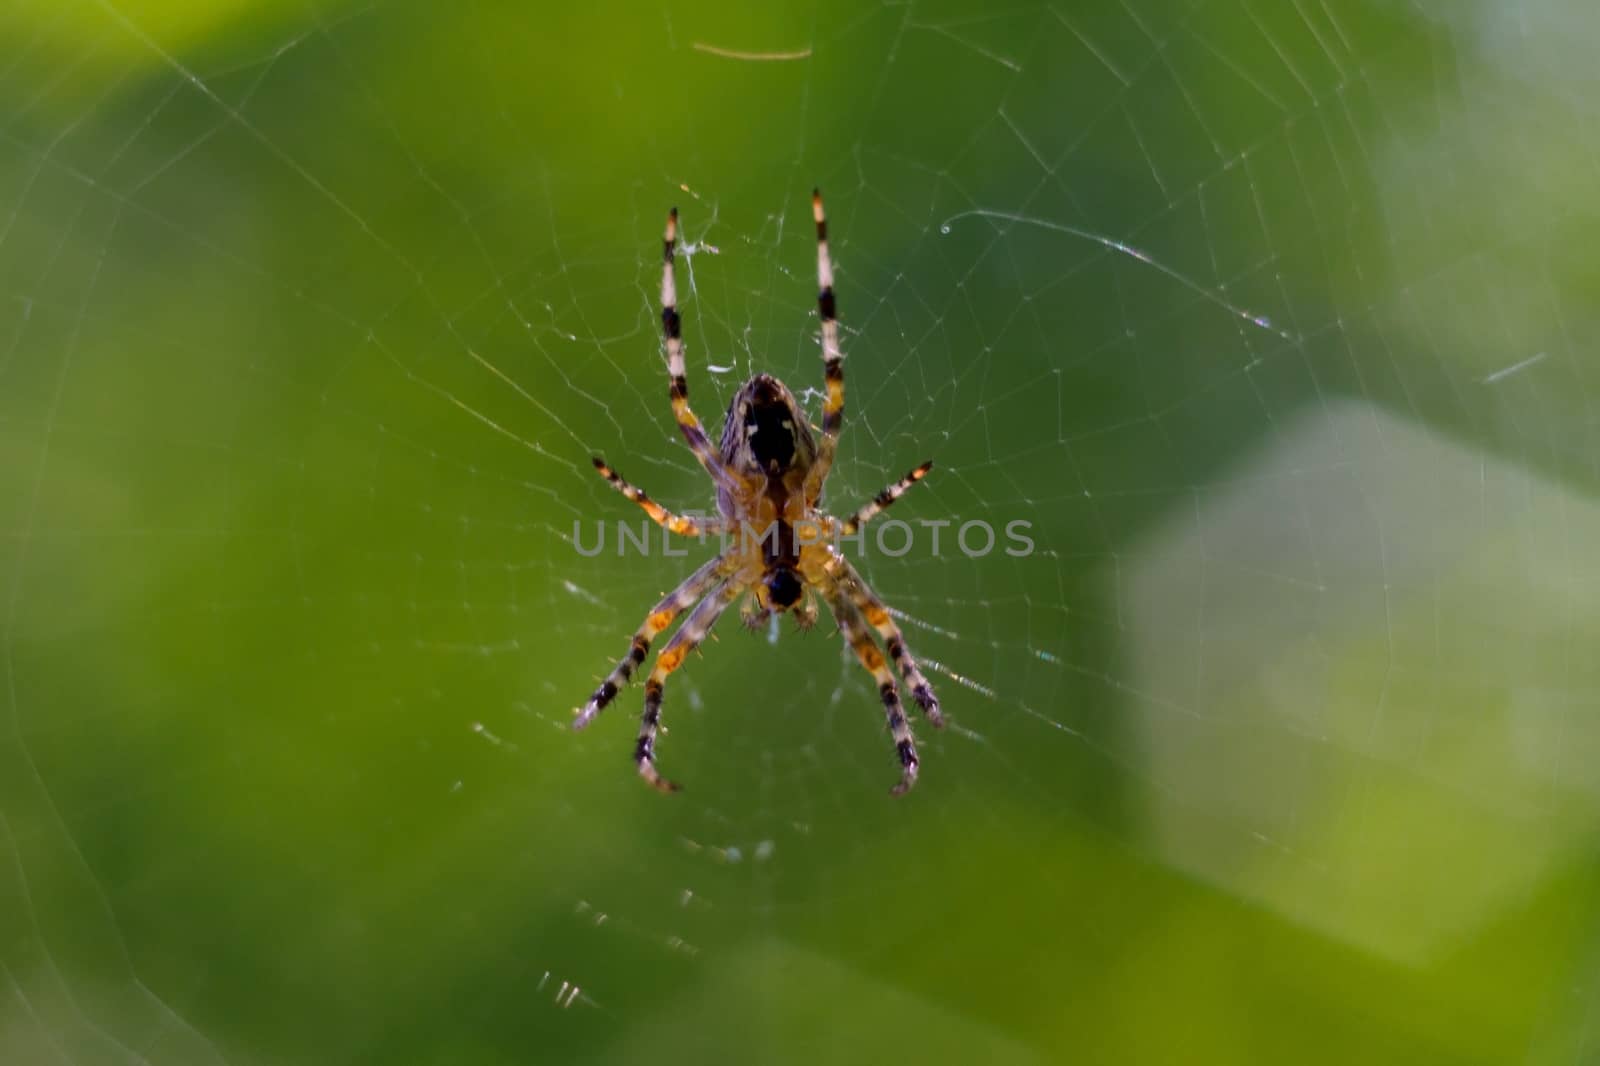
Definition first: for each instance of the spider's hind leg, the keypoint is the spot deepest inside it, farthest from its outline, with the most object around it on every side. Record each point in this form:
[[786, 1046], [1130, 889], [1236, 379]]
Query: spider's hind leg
[[678, 391]]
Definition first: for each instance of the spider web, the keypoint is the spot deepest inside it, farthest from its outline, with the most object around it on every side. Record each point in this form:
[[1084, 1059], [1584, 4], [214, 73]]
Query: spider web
[[1273, 321]]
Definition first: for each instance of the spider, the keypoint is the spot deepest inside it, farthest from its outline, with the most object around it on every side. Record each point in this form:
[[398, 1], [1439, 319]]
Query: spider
[[768, 472]]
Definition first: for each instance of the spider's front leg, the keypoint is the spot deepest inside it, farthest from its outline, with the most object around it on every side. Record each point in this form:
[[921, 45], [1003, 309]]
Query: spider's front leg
[[855, 632], [660, 617], [685, 640], [877, 615]]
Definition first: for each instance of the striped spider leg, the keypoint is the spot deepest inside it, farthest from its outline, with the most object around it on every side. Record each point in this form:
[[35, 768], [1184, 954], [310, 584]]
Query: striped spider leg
[[660, 617], [860, 641], [683, 525], [678, 390], [832, 358], [879, 503], [684, 641], [877, 615]]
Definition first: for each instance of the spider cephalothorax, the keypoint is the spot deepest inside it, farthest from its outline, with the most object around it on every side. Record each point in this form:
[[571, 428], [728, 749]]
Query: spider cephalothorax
[[769, 473]]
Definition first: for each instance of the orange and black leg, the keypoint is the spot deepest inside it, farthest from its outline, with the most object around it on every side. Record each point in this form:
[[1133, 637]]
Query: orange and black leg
[[883, 499], [678, 390], [877, 616], [660, 617], [860, 641], [676, 523], [684, 641], [832, 357]]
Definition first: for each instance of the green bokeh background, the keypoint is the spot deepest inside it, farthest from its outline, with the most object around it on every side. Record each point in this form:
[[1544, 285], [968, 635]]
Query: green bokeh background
[[1280, 748]]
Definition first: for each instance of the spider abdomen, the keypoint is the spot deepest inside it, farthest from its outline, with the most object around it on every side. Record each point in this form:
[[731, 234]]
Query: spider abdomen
[[766, 433]]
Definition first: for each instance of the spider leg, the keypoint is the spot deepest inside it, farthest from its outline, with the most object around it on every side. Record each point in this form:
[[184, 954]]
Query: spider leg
[[676, 523], [660, 617], [855, 632], [877, 615], [805, 613], [883, 499], [753, 615], [668, 659], [672, 327], [832, 357]]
